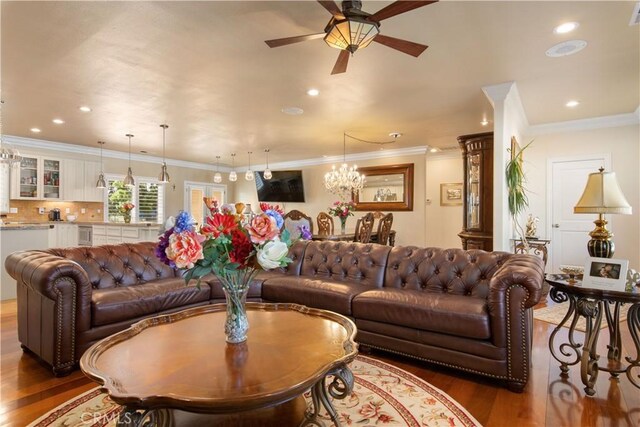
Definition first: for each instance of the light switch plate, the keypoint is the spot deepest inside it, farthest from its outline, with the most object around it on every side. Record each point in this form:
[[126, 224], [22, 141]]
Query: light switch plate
[[41, 211]]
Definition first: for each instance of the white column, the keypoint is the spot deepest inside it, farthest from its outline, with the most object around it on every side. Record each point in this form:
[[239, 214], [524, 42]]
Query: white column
[[509, 120]]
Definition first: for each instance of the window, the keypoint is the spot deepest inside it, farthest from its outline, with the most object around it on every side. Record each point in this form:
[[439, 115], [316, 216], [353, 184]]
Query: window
[[147, 196]]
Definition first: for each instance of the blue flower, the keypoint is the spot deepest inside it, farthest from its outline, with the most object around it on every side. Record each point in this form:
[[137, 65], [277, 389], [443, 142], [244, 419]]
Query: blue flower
[[276, 216], [184, 222]]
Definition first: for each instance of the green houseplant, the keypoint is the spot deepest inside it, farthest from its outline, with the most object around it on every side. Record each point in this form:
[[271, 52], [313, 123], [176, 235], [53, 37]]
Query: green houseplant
[[517, 192]]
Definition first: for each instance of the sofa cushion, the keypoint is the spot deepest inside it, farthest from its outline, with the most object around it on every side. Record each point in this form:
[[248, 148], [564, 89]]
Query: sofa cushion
[[345, 262], [324, 294], [117, 304], [444, 313]]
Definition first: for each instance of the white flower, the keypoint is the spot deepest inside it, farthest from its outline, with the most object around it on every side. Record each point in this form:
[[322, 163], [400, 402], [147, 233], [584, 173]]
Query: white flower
[[271, 254]]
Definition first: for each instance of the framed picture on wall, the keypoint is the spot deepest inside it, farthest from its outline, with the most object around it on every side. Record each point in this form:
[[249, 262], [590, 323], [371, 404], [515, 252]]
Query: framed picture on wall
[[451, 194], [605, 273]]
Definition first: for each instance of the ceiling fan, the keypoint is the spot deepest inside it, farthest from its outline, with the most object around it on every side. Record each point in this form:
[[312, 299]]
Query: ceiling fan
[[351, 29]]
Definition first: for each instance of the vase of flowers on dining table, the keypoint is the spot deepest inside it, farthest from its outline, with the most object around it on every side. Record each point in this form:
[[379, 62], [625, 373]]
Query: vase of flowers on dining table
[[342, 210]]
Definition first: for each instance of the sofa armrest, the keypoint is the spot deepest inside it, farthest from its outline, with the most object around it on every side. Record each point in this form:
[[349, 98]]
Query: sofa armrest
[[513, 290], [54, 305]]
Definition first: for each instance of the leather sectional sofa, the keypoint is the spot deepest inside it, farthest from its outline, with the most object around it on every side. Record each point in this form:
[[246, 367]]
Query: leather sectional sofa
[[469, 310]]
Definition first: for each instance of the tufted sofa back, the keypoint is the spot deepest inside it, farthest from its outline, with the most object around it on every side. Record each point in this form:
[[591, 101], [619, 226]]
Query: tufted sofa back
[[112, 266], [451, 271], [346, 262]]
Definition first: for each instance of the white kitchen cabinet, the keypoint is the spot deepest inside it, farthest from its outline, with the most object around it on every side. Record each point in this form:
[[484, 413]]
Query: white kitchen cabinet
[[37, 178], [91, 173], [63, 236], [115, 234], [73, 180]]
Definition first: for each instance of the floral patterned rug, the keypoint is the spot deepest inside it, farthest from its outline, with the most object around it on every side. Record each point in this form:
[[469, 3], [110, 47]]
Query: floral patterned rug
[[382, 395], [555, 313]]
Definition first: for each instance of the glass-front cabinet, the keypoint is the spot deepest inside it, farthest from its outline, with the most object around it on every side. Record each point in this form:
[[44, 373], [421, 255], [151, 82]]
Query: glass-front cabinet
[[477, 151], [36, 178]]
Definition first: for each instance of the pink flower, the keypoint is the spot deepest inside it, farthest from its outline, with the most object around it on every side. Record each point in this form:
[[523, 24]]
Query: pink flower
[[185, 248], [384, 418], [262, 229], [369, 410]]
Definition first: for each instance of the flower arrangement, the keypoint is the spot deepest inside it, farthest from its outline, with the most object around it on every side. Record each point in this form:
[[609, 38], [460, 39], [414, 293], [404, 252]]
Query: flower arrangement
[[342, 209], [232, 250], [126, 207]]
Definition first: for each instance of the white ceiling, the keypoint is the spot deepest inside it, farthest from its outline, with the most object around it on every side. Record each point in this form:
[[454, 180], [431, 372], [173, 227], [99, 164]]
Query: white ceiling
[[203, 68]]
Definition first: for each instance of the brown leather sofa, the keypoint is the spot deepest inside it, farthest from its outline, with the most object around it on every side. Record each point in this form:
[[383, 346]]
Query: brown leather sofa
[[469, 310]]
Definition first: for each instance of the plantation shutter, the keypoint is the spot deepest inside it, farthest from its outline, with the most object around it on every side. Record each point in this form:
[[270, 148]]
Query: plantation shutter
[[150, 202]]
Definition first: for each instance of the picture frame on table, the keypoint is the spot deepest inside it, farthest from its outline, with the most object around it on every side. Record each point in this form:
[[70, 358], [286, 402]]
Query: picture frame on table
[[451, 194], [605, 273]]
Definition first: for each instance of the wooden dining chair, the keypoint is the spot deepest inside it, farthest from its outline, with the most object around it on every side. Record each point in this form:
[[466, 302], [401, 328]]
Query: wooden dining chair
[[325, 223], [364, 227], [295, 219], [384, 229]]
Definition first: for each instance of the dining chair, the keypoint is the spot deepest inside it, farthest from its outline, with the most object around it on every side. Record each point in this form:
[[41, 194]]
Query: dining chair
[[325, 223], [293, 220], [384, 229], [364, 227]]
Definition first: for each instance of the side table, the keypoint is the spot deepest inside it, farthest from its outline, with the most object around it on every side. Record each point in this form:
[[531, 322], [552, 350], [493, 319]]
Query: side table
[[591, 304]]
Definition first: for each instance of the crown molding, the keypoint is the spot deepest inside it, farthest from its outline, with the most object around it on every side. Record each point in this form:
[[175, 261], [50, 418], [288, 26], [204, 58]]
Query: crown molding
[[618, 120], [31, 143]]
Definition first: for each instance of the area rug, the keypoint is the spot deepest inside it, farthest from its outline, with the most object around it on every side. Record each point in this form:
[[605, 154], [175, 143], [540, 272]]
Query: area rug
[[382, 395], [555, 313]]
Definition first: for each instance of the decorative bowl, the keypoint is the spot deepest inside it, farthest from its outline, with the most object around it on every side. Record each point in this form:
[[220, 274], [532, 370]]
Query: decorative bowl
[[573, 271]]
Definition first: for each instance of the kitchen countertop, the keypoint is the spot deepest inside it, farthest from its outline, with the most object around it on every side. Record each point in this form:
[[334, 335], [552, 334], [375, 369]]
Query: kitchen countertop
[[32, 226], [50, 224]]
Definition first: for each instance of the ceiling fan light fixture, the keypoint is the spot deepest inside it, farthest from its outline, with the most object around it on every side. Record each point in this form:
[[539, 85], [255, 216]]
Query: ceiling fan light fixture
[[351, 33]]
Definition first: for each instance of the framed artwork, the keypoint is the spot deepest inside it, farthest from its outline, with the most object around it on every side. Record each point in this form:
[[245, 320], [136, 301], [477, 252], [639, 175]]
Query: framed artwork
[[451, 194], [605, 273]]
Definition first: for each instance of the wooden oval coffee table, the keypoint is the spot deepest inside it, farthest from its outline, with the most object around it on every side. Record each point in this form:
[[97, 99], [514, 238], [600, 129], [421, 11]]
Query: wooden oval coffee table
[[163, 366]]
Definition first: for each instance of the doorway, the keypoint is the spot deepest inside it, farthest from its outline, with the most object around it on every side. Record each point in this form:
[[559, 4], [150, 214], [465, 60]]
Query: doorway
[[570, 232], [194, 194]]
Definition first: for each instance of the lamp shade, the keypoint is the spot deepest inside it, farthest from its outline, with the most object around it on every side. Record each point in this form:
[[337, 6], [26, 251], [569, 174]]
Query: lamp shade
[[602, 195], [351, 34]]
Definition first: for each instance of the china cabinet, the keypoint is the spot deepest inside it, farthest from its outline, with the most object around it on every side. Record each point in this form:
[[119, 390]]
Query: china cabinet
[[477, 153]]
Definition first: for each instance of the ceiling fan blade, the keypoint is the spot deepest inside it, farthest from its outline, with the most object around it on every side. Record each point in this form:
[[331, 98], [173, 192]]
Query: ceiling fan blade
[[397, 8], [332, 7], [341, 62], [290, 40], [404, 46]]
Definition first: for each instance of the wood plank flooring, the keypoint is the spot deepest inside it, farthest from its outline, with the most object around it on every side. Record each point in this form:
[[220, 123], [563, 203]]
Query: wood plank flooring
[[28, 389]]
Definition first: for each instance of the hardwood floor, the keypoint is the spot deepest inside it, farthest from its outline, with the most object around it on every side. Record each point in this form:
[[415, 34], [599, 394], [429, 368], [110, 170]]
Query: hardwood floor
[[28, 389]]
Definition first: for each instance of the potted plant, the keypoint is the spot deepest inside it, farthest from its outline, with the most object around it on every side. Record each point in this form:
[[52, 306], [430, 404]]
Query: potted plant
[[517, 192]]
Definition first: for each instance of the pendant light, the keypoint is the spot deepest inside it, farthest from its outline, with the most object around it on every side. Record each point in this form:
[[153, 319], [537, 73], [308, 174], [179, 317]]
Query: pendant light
[[217, 178], [128, 180], [233, 176], [101, 182], [267, 172], [249, 174], [164, 177]]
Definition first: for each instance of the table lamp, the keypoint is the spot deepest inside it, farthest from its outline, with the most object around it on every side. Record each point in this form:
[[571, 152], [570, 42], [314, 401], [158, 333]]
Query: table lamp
[[602, 195]]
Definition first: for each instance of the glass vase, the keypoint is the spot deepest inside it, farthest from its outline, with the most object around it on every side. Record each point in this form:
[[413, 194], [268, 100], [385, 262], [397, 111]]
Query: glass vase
[[343, 225], [127, 217], [235, 285]]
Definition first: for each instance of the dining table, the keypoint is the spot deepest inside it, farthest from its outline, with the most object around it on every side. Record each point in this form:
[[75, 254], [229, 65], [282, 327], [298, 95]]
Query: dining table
[[349, 237]]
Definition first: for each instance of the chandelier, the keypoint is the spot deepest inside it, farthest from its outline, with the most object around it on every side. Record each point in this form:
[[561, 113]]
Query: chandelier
[[345, 180]]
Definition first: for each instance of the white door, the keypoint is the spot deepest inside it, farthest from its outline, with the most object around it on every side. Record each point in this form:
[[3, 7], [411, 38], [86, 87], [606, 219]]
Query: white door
[[194, 194], [569, 231]]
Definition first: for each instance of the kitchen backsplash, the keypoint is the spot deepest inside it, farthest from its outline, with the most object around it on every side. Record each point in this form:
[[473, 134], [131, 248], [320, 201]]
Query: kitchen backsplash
[[28, 210]]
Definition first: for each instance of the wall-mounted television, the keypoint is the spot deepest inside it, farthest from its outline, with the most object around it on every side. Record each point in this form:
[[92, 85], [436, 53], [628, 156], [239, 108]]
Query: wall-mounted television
[[284, 186]]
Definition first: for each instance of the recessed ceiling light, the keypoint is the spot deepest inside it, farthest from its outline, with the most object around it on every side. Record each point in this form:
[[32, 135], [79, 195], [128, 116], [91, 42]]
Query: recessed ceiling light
[[572, 103], [58, 121], [313, 92], [293, 111], [565, 28], [566, 48], [484, 122], [35, 130], [395, 134], [84, 109]]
